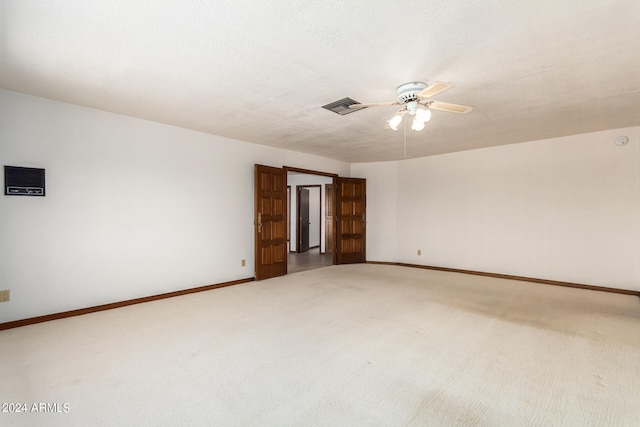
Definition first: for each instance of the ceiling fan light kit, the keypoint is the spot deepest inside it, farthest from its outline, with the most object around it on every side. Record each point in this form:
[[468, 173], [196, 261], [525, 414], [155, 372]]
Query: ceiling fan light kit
[[420, 112], [417, 125], [423, 114], [395, 120], [414, 97]]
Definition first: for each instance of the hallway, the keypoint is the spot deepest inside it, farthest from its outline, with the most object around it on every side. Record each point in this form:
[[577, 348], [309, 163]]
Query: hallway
[[309, 260]]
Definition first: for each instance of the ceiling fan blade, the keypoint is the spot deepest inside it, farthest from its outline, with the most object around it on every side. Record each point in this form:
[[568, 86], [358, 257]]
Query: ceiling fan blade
[[452, 108], [434, 89], [374, 104]]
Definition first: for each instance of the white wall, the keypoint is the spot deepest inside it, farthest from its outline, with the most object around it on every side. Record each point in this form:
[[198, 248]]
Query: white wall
[[382, 209], [314, 217], [133, 208], [561, 209]]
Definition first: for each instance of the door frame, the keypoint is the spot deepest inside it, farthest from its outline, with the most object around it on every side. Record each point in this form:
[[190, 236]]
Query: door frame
[[288, 218], [329, 217], [334, 178]]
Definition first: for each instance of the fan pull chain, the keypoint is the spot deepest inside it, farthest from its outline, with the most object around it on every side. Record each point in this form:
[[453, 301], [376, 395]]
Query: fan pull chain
[[405, 139]]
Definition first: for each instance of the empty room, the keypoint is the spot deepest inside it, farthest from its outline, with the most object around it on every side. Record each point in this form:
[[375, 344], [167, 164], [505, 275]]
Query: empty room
[[234, 213]]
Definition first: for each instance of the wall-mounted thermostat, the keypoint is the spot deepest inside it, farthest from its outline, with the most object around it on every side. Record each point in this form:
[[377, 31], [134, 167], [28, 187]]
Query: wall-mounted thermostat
[[20, 181]]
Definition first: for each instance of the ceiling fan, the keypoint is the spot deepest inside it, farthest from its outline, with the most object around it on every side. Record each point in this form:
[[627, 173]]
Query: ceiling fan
[[414, 98]]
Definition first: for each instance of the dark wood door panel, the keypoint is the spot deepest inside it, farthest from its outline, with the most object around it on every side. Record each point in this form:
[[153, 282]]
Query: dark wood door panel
[[277, 206], [351, 223], [278, 231], [270, 218]]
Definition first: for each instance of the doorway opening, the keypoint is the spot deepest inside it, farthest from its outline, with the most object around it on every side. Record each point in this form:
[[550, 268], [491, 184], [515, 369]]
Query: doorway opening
[[344, 219], [310, 237]]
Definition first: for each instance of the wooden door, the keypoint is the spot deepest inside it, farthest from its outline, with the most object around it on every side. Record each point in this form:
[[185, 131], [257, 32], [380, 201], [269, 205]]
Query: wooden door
[[329, 223], [303, 220], [270, 219], [351, 220]]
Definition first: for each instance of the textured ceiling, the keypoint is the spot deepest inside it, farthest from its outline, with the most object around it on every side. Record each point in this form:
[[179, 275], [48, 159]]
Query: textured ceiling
[[260, 71]]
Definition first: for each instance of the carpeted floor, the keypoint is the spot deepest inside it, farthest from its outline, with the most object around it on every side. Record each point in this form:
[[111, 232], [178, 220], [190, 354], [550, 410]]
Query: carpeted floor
[[356, 345]]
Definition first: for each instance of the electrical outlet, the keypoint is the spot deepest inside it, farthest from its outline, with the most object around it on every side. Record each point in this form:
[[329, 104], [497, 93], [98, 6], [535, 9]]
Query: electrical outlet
[[419, 251], [243, 263], [5, 296]]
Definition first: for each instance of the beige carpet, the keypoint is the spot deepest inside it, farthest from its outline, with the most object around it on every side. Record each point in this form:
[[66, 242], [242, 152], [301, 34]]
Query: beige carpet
[[359, 345]]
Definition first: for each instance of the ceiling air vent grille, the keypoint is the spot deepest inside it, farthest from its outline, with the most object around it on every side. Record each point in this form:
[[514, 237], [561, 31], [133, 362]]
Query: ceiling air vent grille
[[341, 106]]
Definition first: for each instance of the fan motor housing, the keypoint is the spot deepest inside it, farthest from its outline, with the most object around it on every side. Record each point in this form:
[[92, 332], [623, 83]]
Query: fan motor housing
[[409, 91]]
